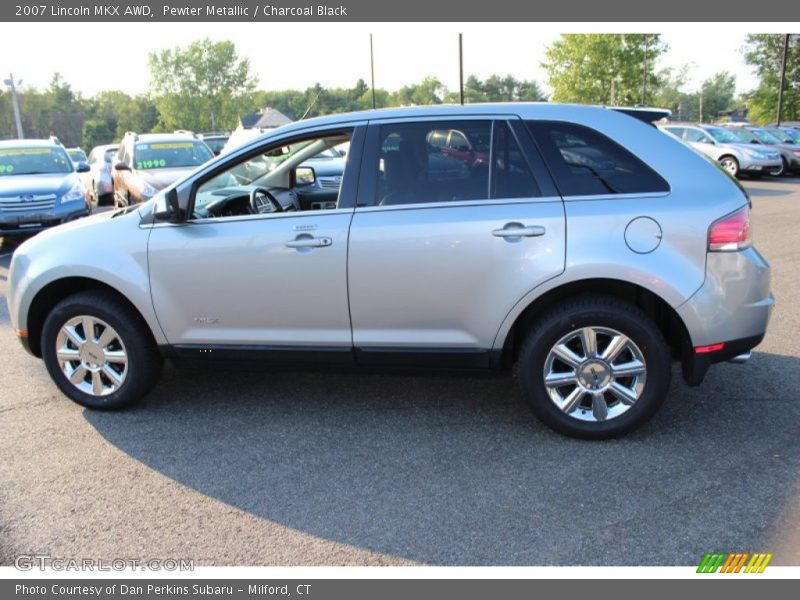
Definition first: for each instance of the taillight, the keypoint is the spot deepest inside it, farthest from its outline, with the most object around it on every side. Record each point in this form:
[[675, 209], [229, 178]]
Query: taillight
[[730, 233]]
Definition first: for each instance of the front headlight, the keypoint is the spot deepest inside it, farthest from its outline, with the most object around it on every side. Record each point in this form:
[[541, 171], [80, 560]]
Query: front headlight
[[76, 192], [148, 190]]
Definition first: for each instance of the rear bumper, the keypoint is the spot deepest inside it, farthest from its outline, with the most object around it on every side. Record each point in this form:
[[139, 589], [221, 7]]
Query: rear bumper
[[732, 307], [695, 366]]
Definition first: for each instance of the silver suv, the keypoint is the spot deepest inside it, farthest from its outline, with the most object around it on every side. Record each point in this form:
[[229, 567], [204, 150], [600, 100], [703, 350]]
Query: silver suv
[[725, 147], [578, 244]]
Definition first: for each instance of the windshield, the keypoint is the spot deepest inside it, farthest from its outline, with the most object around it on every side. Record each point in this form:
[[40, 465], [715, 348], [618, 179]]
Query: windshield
[[77, 155], [170, 155], [723, 135], [766, 137], [744, 135], [33, 161], [262, 165], [216, 144]]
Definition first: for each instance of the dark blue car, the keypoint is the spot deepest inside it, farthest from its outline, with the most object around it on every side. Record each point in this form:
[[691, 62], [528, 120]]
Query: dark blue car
[[39, 186]]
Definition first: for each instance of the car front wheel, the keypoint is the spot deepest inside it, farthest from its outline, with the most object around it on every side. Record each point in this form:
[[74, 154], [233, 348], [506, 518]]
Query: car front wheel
[[99, 352], [595, 367]]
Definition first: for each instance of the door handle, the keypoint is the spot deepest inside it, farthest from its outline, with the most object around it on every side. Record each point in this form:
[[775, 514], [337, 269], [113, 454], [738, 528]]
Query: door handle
[[512, 230], [306, 241]]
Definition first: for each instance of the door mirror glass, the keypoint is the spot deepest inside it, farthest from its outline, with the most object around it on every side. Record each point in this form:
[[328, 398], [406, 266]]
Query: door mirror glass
[[304, 175]]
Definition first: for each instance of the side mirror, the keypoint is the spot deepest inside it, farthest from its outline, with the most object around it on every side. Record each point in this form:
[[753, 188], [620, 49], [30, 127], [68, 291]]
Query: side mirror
[[121, 166], [82, 167], [168, 208], [304, 175]]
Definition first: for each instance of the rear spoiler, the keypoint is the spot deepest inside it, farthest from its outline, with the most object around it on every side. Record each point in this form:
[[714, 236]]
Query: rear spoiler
[[648, 115]]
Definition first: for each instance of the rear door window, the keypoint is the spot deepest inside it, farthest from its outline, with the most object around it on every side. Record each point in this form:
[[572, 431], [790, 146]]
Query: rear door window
[[584, 162]]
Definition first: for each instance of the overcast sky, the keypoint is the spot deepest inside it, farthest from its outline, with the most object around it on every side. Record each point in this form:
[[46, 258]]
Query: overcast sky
[[98, 56]]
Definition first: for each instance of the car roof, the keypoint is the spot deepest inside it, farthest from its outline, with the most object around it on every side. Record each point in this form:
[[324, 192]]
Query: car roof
[[522, 109], [28, 143], [157, 137]]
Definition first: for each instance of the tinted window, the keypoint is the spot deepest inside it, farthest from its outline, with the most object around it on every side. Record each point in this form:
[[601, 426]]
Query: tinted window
[[696, 135], [415, 167], [511, 177], [33, 161], [585, 162]]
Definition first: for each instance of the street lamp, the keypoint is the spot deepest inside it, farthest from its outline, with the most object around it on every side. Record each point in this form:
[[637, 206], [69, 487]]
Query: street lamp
[[12, 86]]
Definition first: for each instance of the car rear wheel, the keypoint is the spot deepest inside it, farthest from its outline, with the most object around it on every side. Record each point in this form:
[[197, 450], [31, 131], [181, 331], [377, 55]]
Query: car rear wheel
[[730, 164], [596, 367], [99, 352]]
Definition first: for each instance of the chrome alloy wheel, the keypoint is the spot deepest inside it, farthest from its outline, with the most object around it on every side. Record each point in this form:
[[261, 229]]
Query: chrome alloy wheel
[[91, 355], [595, 374], [729, 164]]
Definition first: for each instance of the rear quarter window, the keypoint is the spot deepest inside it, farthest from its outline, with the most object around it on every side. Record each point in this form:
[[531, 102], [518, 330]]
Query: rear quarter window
[[584, 162]]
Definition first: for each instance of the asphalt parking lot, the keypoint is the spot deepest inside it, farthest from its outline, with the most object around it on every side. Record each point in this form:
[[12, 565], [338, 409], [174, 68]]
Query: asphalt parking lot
[[314, 468]]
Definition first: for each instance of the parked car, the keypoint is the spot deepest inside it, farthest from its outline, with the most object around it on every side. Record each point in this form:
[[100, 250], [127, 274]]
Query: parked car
[[790, 153], [39, 186], [418, 266], [215, 141], [76, 155], [98, 181], [787, 135], [150, 162], [729, 151]]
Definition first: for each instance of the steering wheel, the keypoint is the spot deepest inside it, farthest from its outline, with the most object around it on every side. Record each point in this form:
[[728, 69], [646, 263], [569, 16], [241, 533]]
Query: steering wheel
[[262, 202]]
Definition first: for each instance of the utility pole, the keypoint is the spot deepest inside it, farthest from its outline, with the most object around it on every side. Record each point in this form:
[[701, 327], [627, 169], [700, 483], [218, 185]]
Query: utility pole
[[701, 105], [644, 73], [12, 86], [783, 78], [372, 69], [461, 67]]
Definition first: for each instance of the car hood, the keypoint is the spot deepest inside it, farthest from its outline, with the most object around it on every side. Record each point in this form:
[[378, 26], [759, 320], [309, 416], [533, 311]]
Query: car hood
[[161, 178], [37, 185]]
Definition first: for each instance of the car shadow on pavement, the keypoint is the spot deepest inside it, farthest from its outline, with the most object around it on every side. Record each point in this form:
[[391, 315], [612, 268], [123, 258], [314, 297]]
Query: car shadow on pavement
[[446, 470]]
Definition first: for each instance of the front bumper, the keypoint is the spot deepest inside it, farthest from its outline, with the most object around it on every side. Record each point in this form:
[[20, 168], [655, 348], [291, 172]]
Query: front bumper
[[732, 308], [27, 223], [755, 165]]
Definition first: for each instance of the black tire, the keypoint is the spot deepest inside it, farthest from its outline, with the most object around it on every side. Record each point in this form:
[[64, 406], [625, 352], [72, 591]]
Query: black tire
[[733, 168], [603, 312], [144, 363]]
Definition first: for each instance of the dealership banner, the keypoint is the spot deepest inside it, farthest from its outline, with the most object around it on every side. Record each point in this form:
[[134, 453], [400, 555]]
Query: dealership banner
[[406, 10], [384, 589]]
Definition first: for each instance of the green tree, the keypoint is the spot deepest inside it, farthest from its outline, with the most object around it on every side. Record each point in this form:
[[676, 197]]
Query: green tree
[[203, 86], [718, 94], [603, 68], [96, 132], [764, 51]]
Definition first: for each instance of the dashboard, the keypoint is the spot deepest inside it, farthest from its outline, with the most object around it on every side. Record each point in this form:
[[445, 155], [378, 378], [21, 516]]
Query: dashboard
[[250, 200]]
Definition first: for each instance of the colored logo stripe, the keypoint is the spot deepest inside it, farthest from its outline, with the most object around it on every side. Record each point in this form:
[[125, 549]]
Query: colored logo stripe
[[734, 562]]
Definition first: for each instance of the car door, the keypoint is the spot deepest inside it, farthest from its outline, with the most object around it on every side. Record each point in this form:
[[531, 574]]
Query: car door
[[269, 282], [442, 246], [701, 141]]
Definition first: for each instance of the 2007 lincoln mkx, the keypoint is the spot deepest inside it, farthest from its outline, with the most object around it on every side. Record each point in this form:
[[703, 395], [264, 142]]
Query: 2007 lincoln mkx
[[580, 245]]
